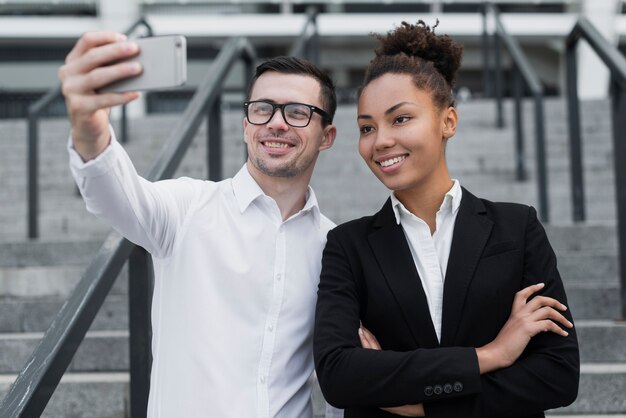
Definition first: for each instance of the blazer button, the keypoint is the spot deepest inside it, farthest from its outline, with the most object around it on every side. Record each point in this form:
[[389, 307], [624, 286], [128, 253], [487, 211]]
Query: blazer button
[[447, 388], [458, 386], [438, 390], [428, 391]]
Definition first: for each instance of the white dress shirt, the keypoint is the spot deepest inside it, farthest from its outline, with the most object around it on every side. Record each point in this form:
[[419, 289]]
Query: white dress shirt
[[431, 252], [235, 287]]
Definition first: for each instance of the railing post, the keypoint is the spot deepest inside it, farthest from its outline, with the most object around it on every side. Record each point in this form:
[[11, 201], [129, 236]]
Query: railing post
[[520, 155], [140, 285], [498, 80], [314, 47], [573, 106], [485, 49], [124, 125], [249, 73], [33, 176], [619, 150], [540, 152], [214, 139]]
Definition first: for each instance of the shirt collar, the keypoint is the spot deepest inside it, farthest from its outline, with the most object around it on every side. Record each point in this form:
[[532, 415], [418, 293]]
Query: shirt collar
[[451, 201], [247, 190]]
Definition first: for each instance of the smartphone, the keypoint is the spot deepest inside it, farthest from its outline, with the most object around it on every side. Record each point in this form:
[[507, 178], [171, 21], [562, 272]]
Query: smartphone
[[164, 63]]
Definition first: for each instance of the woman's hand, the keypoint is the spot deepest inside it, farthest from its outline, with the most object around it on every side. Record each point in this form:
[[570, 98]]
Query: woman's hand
[[369, 341], [527, 319]]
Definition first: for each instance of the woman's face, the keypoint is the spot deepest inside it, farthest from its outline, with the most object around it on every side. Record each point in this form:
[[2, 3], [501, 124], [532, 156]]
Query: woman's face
[[403, 134]]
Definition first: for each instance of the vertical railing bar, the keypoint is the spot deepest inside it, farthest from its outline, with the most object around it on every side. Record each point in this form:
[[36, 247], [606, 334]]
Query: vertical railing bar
[[575, 145], [124, 125], [498, 80], [140, 287], [619, 151], [520, 157], [485, 49], [214, 144], [541, 158], [315, 40], [33, 175]]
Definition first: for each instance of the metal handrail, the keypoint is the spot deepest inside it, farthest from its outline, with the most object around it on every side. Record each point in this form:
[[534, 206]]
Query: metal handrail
[[523, 73], [616, 63], [307, 44], [37, 381], [34, 113]]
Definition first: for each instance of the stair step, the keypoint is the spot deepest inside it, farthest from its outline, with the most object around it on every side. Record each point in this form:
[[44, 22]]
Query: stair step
[[602, 341], [102, 395], [601, 390], [593, 300], [36, 315], [41, 281], [99, 351]]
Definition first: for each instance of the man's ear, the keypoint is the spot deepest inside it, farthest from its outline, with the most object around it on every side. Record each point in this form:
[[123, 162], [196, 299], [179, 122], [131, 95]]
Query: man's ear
[[450, 120], [328, 139], [245, 126]]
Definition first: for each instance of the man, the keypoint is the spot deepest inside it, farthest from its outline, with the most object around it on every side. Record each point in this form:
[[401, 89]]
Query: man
[[236, 262]]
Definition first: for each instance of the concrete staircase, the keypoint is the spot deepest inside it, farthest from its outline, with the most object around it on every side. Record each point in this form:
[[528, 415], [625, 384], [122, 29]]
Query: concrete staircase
[[36, 276]]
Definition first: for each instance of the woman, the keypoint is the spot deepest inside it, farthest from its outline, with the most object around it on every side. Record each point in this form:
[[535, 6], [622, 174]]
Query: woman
[[441, 304]]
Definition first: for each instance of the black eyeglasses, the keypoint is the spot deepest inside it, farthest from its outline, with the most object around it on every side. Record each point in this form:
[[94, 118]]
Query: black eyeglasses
[[298, 115]]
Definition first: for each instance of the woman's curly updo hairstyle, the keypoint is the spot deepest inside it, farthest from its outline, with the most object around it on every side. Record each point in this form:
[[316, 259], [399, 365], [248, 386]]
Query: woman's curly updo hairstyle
[[432, 60]]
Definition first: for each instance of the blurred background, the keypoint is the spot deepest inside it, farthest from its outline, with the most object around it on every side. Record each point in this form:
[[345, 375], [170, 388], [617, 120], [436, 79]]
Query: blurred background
[[542, 119]]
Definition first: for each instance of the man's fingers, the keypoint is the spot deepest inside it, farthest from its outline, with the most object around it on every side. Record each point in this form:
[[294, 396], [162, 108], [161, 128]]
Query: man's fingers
[[89, 104], [93, 39], [98, 78], [103, 76]]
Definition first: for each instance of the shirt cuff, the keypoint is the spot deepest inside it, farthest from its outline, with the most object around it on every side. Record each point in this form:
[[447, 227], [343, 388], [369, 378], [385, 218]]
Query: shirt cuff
[[99, 165]]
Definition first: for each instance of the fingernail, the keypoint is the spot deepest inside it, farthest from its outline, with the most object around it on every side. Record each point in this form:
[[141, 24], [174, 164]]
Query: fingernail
[[130, 47], [135, 67], [360, 331], [541, 284], [563, 307], [565, 333], [121, 37]]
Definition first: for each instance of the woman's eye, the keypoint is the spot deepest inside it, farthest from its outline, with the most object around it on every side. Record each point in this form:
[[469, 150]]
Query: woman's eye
[[365, 129], [402, 119]]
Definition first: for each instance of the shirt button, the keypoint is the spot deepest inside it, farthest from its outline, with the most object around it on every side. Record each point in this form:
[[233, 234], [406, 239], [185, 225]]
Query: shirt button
[[270, 327], [278, 277], [262, 379]]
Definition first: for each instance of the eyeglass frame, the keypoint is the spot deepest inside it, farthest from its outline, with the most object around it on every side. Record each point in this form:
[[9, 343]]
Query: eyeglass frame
[[314, 109]]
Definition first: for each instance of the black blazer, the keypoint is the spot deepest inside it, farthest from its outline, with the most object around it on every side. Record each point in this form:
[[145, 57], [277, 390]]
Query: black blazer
[[368, 275]]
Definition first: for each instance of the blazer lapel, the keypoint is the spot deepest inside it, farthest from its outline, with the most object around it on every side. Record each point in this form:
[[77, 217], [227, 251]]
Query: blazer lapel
[[393, 255], [471, 232]]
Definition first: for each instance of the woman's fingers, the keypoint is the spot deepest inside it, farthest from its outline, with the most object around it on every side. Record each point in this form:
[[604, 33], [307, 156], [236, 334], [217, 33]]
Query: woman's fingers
[[548, 313], [368, 340], [522, 296]]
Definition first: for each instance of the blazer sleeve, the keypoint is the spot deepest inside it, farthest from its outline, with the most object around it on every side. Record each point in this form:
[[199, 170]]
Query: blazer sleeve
[[546, 375], [350, 376]]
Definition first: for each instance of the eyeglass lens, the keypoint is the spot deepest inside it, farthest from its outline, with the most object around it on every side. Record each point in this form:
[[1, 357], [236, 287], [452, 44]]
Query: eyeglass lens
[[295, 114]]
